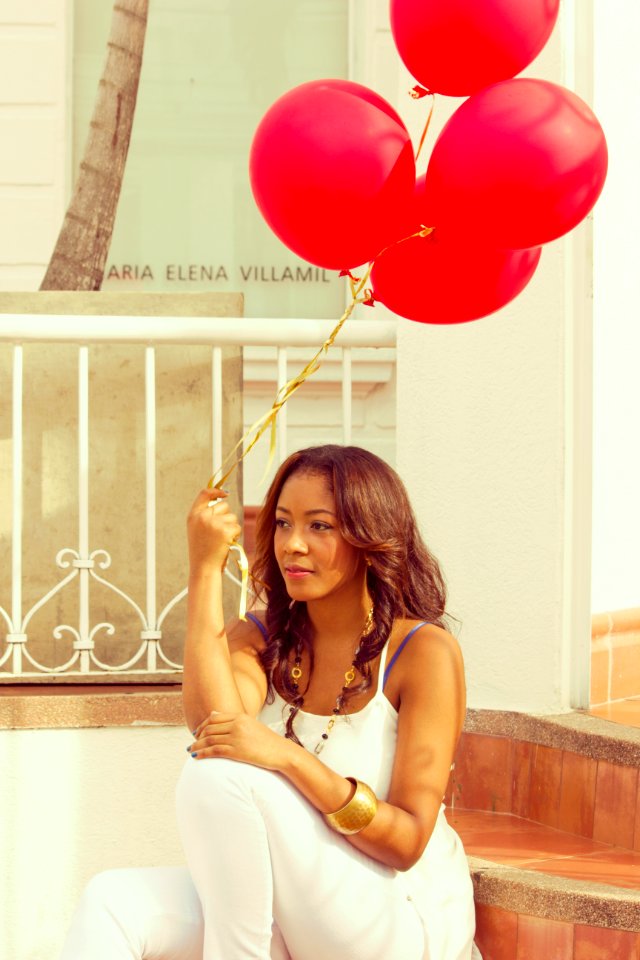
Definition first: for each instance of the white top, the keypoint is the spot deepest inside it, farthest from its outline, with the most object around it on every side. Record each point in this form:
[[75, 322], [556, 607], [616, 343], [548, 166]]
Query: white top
[[362, 745]]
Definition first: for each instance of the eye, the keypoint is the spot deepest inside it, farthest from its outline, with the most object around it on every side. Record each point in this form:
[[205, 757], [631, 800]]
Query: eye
[[320, 525], [281, 522]]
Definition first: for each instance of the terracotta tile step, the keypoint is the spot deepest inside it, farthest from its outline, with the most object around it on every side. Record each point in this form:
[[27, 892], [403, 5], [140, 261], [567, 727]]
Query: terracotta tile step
[[574, 773], [541, 893], [507, 840], [626, 712]]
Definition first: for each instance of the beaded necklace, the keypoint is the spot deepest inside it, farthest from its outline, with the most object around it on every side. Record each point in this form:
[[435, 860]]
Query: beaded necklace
[[349, 677]]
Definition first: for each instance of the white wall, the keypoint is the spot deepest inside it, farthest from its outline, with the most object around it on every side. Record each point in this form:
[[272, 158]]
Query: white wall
[[34, 132], [75, 802], [616, 475], [485, 442]]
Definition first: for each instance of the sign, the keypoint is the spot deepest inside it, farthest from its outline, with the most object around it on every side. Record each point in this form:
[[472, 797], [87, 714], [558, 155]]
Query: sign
[[186, 218]]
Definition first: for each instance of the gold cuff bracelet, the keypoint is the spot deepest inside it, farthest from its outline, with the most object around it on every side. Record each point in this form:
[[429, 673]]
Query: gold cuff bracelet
[[357, 813]]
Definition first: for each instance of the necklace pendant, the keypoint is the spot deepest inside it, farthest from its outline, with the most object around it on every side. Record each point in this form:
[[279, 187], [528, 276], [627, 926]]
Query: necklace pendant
[[318, 748]]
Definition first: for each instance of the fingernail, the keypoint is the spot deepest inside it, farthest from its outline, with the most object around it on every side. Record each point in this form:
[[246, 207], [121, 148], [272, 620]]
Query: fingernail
[[194, 754], [194, 732]]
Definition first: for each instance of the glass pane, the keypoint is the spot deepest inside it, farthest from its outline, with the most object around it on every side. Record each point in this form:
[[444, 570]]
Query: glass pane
[[187, 219]]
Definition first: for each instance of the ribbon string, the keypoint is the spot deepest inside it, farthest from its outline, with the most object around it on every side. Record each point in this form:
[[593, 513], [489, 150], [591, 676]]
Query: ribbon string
[[360, 293], [268, 422], [427, 124], [243, 566]]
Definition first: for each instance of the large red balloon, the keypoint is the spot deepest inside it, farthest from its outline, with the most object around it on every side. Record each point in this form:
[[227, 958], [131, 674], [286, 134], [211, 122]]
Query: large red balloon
[[459, 46], [438, 281], [518, 164], [331, 170]]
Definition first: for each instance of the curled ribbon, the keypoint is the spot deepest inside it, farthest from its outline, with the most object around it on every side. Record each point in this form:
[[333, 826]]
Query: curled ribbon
[[360, 293], [268, 422], [243, 566], [429, 116]]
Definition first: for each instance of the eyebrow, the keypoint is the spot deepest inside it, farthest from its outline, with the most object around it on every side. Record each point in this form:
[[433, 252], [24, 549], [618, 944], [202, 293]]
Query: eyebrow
[[308, 513]]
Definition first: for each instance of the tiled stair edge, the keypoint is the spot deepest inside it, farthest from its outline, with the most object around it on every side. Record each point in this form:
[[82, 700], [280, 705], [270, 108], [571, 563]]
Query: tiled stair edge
[[576, 732], [555, 898]]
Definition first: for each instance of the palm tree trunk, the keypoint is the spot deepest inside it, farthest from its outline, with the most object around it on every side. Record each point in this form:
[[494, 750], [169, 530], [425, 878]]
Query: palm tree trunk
[[80, 253]]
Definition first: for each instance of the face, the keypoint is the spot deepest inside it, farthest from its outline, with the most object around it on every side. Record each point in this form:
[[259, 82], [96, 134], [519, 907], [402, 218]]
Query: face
[[314, 558]]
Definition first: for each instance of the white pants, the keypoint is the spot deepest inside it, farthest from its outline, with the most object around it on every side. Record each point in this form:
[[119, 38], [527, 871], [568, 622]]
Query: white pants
[[267, 872]]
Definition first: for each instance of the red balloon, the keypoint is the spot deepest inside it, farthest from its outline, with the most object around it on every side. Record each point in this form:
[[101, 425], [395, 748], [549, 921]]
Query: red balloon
[[331, 168], [459, 46], [518, 164], [432, 280]]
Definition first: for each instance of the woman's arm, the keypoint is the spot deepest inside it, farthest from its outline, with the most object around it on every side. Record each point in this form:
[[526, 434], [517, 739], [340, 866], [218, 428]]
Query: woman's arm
[[432, 707], [430, 680], [220, 672]]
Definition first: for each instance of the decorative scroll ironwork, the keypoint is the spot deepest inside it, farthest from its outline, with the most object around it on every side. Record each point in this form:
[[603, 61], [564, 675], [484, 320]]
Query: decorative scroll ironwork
[[84, 639]]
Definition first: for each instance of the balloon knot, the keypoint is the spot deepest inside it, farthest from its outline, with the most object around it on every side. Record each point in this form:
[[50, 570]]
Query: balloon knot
[[347, 273], [369, 299], [419, 92]]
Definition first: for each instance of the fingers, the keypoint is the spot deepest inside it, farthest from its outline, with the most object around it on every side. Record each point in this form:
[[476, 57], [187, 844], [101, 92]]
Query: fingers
[[210, 736], [215, 717], [214, 493], [207, 495], [212, 503]]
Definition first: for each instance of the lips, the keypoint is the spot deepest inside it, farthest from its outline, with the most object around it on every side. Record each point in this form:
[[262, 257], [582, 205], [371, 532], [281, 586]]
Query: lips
[[297, 572]]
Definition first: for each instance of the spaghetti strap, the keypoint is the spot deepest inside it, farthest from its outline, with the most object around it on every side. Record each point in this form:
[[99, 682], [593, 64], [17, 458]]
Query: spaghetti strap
[[382, 671], [259, 624], [399, 651]]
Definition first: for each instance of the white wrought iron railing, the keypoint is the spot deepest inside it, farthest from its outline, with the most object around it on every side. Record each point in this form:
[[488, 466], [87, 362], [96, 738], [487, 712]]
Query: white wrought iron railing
[[82, 562]]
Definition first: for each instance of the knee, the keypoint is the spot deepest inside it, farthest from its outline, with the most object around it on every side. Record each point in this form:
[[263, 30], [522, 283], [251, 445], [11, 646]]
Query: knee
[[210, 785], [209, 781], [104, 890]]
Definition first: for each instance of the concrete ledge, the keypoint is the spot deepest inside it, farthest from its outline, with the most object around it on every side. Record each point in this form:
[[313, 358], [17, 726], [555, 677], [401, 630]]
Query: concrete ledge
[[577, 732], [538, 894], [43, 709]]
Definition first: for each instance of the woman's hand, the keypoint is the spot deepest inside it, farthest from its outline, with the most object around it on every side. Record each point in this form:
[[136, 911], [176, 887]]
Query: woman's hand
[[211, 529], [237, 736]]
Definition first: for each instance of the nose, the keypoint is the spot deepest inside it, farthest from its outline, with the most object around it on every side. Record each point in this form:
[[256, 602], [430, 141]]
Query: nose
[[295, 542]]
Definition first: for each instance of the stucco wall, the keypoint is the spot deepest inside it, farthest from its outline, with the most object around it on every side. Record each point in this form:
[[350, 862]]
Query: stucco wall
[[483, 441], [75, 802], [34, 129], [616, 470]]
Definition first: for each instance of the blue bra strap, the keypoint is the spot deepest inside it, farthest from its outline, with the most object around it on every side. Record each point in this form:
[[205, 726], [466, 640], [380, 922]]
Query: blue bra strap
[[399, 651], [259, 624]]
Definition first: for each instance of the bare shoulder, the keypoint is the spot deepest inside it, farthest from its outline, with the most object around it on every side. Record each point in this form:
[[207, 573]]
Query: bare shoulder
[[429, 681], [430, 664], [246, 635], [428, 646]]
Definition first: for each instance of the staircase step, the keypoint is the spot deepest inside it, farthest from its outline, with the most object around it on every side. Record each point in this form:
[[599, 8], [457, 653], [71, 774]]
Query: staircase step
[[574, 772], [548, 809], [513, 841], [625, 712]]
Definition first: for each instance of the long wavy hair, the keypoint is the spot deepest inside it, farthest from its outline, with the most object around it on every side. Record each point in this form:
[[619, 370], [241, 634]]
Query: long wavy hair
[[375, 516]]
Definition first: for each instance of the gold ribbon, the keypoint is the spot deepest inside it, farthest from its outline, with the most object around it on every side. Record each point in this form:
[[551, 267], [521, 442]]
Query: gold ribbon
[[243, 566], [268, 422], [426, 126], [359, 294]]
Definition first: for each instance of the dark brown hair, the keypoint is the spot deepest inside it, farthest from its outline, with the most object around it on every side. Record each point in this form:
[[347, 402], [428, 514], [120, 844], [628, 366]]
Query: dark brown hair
[[375, 516]]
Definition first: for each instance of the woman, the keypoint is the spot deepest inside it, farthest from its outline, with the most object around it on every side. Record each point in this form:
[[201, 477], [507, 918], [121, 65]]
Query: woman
[[324, 730]]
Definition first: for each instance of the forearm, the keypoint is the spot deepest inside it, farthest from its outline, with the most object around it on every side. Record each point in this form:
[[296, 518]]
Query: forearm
[[208, 681], [394, 836]]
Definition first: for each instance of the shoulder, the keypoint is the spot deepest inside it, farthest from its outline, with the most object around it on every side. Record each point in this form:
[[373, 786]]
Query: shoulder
[[429, 666], [246, 635], [423, 644]]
